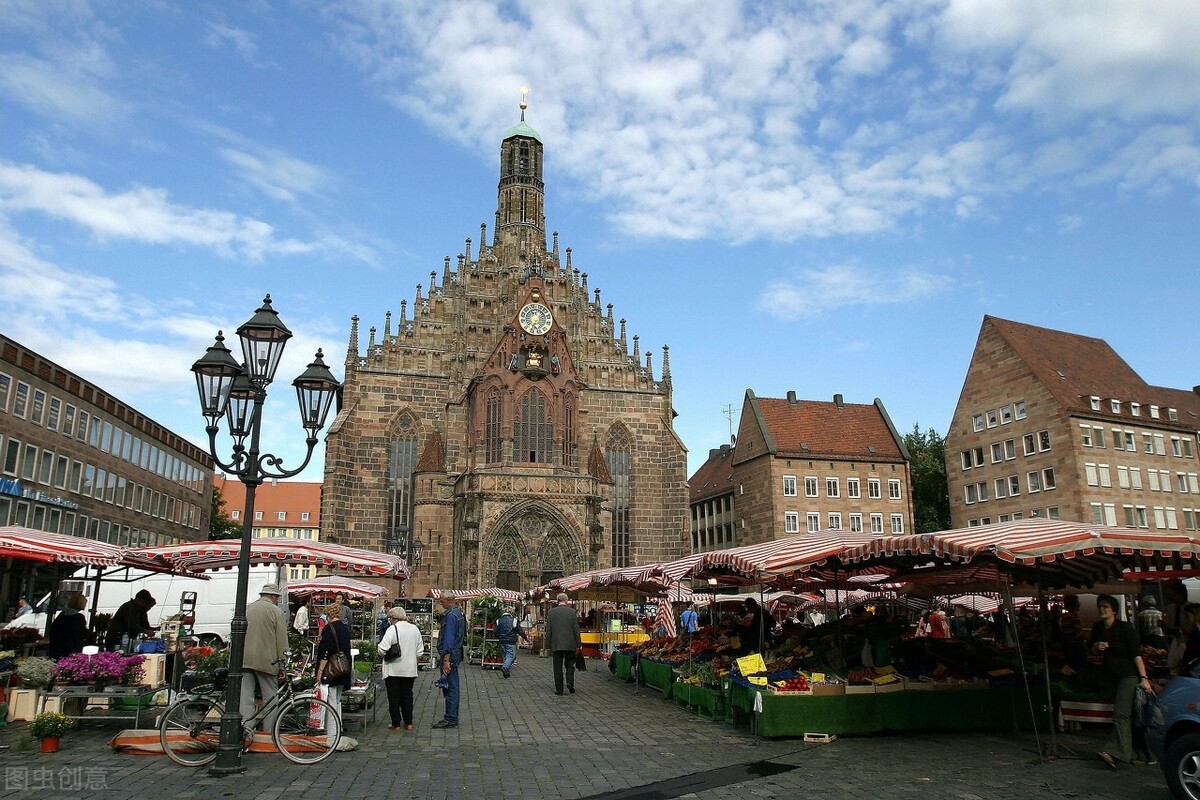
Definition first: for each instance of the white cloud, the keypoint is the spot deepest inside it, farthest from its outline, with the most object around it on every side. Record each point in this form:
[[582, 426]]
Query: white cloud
[[243, 42], [276, 174], [734, 121], [147, 215], [818, 292]]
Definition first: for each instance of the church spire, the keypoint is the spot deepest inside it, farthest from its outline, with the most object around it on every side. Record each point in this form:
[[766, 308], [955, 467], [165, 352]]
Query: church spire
[[521, 192]]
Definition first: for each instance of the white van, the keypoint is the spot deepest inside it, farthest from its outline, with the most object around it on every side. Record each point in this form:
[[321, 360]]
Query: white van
[[215, 597]]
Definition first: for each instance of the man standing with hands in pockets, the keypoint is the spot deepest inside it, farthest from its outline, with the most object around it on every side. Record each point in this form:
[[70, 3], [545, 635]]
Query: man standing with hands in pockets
[[563, 641], [451, 636]]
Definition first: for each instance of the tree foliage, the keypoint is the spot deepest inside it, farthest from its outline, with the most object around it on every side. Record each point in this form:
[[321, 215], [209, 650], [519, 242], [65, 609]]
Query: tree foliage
[[220, 526], [930, 490]]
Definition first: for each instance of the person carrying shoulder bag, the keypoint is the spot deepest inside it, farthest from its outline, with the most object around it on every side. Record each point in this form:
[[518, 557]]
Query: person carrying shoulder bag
[[400, 671]]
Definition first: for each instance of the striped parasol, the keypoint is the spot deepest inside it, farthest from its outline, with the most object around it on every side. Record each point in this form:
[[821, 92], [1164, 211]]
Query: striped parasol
[[223, 554], [665, 618]]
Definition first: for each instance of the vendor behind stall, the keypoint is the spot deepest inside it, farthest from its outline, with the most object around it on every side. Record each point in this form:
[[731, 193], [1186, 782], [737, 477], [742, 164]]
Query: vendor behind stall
[[130, 621]]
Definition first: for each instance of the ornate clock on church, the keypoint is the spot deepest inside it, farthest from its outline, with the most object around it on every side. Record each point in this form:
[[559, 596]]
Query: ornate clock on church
[[535, 319]]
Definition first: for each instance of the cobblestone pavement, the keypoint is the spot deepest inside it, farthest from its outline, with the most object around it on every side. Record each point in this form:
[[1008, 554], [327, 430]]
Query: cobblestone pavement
[[516, 739]]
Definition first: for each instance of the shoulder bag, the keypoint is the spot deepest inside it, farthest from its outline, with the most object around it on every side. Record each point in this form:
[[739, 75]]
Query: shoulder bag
[[337, 666], [393, 652]]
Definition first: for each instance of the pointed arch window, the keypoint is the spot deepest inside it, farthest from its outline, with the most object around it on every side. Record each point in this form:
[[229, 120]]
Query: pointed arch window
[[402, 461], [569, 431], [618, 454], [534, 431], [491, 433], [508, 565]]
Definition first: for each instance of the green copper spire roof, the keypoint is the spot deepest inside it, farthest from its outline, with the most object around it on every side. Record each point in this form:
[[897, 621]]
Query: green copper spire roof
[[522, 129]]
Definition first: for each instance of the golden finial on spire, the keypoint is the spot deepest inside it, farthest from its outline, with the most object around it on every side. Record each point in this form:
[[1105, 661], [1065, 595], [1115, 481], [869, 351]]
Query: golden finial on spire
[[524, 105]]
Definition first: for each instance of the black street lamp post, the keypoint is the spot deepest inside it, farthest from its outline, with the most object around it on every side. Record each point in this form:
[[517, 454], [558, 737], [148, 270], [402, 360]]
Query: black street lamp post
[[237, 392]]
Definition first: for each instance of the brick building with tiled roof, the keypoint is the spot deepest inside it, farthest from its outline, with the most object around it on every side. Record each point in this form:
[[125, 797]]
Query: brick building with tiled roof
[[803, 466], [1055, 424], [281, 508]]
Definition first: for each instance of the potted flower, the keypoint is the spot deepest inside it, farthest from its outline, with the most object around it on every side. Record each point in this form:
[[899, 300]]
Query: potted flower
[[34, 672], [49, 726]]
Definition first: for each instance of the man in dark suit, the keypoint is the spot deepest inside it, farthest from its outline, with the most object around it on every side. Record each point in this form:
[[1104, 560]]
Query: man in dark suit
[[563, 641]]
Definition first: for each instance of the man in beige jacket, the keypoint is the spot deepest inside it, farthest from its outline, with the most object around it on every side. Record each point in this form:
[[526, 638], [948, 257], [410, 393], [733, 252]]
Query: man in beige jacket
[[266, 642]]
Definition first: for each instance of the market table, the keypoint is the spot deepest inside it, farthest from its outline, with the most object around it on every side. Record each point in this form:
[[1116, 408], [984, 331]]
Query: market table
[[123, 702], [655, 674], [950, 709]]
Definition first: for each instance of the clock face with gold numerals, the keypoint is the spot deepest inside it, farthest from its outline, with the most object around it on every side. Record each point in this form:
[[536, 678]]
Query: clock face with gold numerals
[[535, 319]]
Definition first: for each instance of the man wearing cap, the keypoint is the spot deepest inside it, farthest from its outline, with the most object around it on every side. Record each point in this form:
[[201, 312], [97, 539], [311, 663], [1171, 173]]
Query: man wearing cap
[[262, 655], [563, 641], [131, 620]]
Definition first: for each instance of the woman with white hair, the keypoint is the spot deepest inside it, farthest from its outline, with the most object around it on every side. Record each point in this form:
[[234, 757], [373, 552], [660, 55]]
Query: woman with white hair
[[400, 673]]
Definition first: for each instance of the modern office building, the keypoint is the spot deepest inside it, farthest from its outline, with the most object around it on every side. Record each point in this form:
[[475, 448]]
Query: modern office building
[[1055, 424], [77, 460], [803, 466]]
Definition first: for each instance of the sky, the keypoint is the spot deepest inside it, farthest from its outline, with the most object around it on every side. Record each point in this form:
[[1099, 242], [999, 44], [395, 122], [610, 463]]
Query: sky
[[823, 196]]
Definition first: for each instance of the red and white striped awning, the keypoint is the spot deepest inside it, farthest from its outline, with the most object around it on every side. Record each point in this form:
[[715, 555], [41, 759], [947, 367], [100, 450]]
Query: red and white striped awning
[[760, 562], [333, 584], [1062, 552], [43, 547], [223, 554], [505, 595]]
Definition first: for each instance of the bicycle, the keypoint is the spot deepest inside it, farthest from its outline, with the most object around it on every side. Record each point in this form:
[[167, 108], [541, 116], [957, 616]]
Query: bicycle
[[190, 729]]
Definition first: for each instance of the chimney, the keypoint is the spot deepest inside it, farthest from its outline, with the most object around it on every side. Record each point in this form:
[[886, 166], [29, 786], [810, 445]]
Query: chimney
[[839, 401], [714, 453], [791, 397]]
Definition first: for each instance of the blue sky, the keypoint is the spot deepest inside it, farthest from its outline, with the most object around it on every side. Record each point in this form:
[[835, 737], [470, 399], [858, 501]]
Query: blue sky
[[820, 196]]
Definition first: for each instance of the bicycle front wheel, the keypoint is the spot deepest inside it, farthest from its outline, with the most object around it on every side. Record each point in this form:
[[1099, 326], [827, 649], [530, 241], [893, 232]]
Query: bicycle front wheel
[[190, 731], [307, 730]]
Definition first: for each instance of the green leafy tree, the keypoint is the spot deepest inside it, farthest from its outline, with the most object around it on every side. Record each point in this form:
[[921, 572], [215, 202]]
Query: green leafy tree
[[930, 490], [220, 526]]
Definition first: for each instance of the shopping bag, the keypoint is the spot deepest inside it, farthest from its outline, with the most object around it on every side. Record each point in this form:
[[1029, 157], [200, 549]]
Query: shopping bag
[[316, 711]]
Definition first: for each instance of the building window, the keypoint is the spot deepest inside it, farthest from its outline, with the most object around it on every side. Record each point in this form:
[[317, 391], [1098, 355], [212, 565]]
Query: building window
[[304, 516], [1029, 444], [534, 433], [1044, 441], [853, 488], [856, 523], [1160, 446], [966, 459], [568, 456], [814, 522], [1098, 437], [993, 419], [1097, 514], [1052, 512], [21, 400], [1123, 477], [977, 422], [789, 485], [1048, 481], [1105, 475], [1130, 442], [1152, 476], [1140, 514], [1160, 519], [493, 411], [53, 413], [1089, 470], [810, 486], [1147, 444], [1154, 412], [832, 487], [873, 488], [970, 493], [1014, 485], [1085, 435], [1019, 408], [280, 516], [893, 489], [5, 389], [12, 456], [619, 454], [1006, 415], [1010, 449], [791, 522], [1176, 447], [983, 491], [897, 523], [235, 514], [877, 523], [997, 452], [978, 452], [402, 460], [1135, 409], [1115, 406], [835, 521], [1001, 488], [257, 514], [1135, 477], [1094, 402]]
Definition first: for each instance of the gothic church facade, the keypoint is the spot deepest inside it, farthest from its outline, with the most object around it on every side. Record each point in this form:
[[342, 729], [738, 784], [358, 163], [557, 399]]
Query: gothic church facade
[[506, 430]]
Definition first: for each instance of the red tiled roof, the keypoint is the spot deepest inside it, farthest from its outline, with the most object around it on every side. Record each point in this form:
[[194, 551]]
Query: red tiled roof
[[293, 497], [1075, 368], [714, 477], [810, 428]]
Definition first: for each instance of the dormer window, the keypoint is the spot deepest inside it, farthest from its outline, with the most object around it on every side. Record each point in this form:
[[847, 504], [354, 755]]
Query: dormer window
[[1116, 406], [1135, 409], [1095, 402], [1172, 415], [1154, 412]]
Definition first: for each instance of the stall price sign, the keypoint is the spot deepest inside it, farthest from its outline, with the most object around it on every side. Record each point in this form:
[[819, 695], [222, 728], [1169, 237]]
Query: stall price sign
[[753, 665]]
